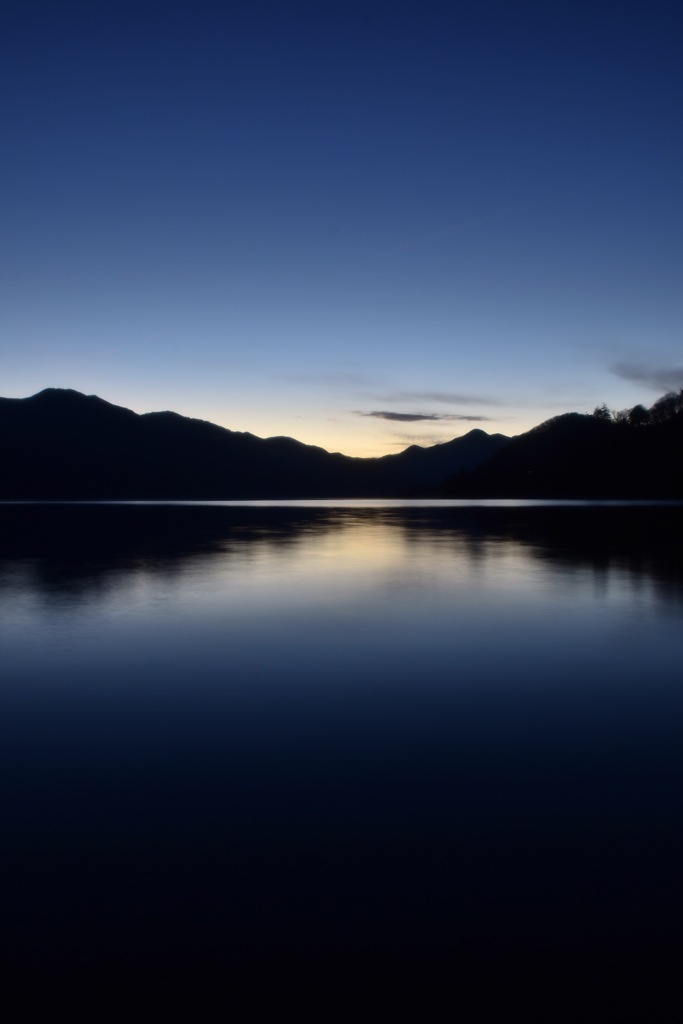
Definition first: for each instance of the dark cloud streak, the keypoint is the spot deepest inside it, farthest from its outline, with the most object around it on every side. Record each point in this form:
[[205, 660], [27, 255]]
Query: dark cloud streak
[[414, 417], [660, 378]]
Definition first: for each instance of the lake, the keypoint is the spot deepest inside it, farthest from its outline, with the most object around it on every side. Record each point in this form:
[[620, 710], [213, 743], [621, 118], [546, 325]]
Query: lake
[[330, 740]]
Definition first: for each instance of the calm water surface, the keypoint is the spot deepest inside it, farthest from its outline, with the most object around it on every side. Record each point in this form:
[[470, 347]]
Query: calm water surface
[[247, 734]]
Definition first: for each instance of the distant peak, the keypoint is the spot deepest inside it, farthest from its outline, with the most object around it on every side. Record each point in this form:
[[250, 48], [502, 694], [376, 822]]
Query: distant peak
[[69, 395], [54, 392], [66, 395]]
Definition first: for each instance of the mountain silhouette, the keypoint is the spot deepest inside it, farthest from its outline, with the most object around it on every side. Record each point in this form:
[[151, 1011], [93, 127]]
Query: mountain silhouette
[[637, 454], [61, 445]]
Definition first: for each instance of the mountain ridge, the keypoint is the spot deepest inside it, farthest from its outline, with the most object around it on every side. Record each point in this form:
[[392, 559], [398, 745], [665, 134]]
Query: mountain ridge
[[586, 456], [61, 444]]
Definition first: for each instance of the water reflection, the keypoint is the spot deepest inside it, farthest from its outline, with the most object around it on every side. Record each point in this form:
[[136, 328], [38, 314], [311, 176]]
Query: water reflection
[[80, 550], [396, 736]]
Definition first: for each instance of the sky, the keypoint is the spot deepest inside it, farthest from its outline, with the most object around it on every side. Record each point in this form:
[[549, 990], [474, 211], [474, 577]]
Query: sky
[[364, 225]]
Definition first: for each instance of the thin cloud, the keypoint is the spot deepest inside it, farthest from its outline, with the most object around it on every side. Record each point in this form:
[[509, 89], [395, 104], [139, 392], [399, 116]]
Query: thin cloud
[[332, 380], [423, 440], [660, 378], [415, 417], [442, 397], [464, 224]]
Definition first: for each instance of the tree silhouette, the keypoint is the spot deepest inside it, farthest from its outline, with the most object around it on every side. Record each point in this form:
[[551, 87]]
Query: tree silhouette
[[638, 416], [601, 412]]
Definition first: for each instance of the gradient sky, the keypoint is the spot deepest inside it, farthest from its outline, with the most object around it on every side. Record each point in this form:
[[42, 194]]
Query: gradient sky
[[360, 224]]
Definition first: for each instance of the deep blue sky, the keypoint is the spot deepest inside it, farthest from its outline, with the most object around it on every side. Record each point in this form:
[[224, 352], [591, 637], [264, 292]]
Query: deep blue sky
[[285, 217]]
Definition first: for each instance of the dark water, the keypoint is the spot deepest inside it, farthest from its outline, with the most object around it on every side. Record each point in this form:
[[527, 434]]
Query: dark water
[[405, 742]]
